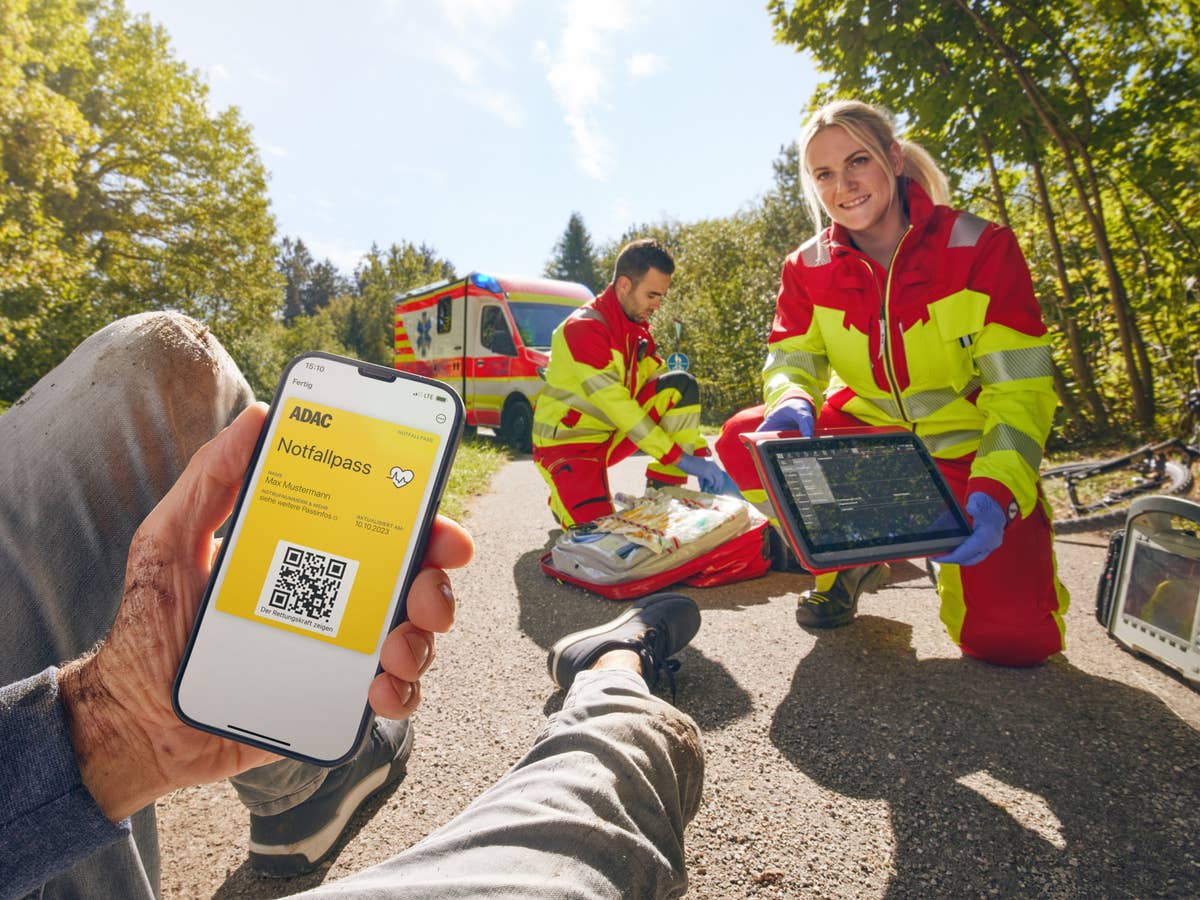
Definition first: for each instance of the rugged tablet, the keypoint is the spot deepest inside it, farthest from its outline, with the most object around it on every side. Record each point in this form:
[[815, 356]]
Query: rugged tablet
[[852, 497]]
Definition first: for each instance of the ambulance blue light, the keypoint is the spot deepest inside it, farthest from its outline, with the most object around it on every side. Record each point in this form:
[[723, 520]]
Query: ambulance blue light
[[487, 282]]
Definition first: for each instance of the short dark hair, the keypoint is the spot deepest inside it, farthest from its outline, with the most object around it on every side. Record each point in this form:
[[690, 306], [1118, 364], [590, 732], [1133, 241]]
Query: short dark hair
[[639, 257]]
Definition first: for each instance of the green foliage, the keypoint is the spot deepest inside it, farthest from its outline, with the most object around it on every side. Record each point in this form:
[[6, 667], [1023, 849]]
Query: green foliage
[[574, 258], [1077, 120], [122, 191]]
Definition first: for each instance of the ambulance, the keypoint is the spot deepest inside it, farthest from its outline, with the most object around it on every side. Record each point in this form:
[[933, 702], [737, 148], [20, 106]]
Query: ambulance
[[488, 337]]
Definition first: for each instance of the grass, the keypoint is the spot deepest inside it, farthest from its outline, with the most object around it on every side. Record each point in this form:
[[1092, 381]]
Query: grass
[[478, 459]]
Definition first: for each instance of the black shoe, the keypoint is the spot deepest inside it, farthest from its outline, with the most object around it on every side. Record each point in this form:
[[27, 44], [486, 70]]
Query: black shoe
[[298, 840], [838, 605], [782, 557], [655, 627]]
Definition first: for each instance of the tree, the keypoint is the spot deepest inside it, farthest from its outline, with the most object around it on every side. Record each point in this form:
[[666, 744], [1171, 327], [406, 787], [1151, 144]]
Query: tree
[[295, 264], [1074, 122], [574, 258], [122, 190], [367, 324]]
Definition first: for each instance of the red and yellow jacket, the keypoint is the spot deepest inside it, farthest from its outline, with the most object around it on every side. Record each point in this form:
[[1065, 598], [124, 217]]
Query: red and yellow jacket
[[949, 342], [599, 363]]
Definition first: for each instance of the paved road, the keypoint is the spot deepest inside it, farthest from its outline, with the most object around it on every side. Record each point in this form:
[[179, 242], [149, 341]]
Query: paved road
[[869, 761]]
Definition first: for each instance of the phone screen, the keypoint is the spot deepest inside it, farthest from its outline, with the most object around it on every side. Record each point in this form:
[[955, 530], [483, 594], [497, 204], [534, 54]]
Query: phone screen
[[322, 546]]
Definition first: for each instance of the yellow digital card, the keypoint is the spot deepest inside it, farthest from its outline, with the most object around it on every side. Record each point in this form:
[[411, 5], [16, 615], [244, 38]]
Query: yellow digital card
[[323, 539]]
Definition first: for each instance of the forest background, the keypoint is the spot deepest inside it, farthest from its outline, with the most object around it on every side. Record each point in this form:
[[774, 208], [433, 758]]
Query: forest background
[[1077, 124]]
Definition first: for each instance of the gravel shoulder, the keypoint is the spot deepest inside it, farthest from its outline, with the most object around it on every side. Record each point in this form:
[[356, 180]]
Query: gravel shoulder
[[868, 761]]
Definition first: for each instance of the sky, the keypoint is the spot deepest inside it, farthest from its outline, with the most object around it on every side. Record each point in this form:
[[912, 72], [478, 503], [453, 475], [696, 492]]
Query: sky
[[478, 126]]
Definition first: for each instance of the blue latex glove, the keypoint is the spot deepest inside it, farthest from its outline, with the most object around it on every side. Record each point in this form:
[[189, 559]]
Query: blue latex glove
[[987, 532], [728, 487], [790, 415], [708, 473]]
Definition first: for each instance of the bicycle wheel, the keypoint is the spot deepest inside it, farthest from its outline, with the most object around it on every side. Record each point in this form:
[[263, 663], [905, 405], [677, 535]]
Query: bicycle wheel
[[1108, 495]]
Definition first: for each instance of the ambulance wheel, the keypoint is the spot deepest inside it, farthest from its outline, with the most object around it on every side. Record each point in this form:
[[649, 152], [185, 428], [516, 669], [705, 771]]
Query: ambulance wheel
[[518, 426]]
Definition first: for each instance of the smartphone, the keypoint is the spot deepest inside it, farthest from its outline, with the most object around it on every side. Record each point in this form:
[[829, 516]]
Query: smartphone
[[327, 534]]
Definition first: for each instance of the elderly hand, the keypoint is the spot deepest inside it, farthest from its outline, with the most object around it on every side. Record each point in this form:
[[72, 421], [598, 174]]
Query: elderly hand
[[130, 745]]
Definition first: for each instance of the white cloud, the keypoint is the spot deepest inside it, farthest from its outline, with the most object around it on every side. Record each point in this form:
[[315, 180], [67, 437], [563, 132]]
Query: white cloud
[[341, 255], [578, 75], [218, 72], [643, 65], [272, 149], [501, 105], [464, 14], [459, 61]]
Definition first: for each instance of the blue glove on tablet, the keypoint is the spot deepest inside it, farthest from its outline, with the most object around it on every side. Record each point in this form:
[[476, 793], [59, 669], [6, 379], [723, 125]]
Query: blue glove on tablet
[[986, 534], [790, 415], [708, 473]]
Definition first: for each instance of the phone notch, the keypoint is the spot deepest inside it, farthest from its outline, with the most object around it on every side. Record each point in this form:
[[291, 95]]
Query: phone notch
[[378, 373]]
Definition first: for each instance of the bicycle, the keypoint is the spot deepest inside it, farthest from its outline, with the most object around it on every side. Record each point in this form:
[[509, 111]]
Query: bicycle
[[1095, 495]]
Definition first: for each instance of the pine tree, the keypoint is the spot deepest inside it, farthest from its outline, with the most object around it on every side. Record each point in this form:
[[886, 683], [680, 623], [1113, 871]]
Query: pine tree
[[574, 258]]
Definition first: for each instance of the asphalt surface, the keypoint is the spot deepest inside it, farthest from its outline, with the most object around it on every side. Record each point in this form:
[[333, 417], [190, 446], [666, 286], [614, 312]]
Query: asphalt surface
[[867, 761]]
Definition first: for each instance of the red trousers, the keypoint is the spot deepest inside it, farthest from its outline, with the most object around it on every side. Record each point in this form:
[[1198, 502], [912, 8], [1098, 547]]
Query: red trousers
[[1007, 609]]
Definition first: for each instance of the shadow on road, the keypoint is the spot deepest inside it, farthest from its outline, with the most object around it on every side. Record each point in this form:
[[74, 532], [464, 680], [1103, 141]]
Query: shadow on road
[[550, 609], [1022, 782]]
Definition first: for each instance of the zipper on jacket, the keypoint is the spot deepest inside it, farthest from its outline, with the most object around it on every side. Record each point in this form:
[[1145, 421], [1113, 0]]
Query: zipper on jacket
[[889, 373]]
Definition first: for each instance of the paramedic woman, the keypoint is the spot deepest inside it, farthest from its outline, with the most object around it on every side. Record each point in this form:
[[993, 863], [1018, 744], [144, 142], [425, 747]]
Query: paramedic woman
[[907, 312]]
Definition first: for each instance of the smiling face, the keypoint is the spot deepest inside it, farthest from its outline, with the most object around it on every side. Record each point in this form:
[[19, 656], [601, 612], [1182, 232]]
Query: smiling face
[[640, 299], [855, 190]]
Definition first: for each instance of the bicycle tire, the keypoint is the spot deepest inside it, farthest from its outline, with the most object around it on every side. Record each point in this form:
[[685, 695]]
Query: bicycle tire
[[1177, 479]]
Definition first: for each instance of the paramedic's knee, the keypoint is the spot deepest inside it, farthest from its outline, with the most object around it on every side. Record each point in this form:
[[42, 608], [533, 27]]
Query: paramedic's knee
[[1019, 647], [683, 382], [733, 453]]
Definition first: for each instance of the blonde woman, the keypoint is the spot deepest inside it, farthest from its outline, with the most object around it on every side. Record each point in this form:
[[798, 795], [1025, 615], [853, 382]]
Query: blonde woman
[[906, 312]]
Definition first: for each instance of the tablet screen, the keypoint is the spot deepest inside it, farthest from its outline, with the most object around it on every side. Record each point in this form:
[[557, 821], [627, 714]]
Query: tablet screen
[[861, 497]]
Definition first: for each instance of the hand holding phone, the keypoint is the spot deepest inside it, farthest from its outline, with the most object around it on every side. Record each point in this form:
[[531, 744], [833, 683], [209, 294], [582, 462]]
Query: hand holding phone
[[325, 541], [131, 746]]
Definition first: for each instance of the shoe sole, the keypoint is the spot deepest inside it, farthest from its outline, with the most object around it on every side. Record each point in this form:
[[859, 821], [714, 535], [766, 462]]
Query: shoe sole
[[307, 854], [569, 640]]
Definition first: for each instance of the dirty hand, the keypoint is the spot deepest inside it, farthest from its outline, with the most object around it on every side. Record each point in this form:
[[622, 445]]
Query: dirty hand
[[130, 745]]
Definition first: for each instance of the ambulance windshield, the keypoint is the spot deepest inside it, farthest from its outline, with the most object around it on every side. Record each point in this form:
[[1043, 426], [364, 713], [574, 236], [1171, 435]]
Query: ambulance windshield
[[536, 320]]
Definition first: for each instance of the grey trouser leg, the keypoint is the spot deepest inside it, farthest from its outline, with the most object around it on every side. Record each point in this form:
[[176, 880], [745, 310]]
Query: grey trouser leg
[[84, 456], [597, 808]]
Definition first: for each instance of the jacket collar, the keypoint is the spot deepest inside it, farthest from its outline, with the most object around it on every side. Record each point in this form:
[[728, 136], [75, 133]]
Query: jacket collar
[[609, 306]]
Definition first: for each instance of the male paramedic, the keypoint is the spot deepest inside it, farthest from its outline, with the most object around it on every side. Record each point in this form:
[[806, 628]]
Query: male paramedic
[[608, 395]]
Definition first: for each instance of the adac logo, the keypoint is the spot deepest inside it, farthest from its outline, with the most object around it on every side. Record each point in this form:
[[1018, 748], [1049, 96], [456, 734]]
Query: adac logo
[[311, 417]]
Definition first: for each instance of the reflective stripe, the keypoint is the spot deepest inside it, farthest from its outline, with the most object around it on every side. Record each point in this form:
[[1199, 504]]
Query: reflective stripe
[[641, 430], [598, 383], [677, 420], [813, 364], [559, 433], [967, 230], [815, 251], [885, 405], [575, 402], [923, 404], [936, 443], [587, 313], [1005, 437], [1014, 365]]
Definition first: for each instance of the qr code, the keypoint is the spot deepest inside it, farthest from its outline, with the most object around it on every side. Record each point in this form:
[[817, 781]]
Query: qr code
[[306, 588]]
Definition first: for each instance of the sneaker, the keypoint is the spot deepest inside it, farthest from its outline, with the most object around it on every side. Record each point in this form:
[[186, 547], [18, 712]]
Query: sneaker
[[298, 840], [655, 627], [837, 605]]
